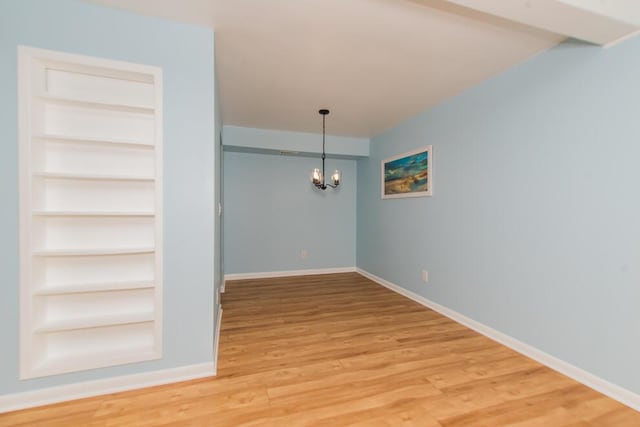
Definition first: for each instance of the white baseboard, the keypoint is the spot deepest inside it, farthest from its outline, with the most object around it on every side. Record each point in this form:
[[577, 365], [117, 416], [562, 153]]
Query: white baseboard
[[270, 274], [30, 399], [217, 340], [616, 392]]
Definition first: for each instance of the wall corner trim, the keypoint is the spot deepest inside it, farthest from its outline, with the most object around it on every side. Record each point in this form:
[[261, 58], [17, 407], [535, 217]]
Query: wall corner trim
[[216, 337], [286, 273], [601, 385], [30, 399]]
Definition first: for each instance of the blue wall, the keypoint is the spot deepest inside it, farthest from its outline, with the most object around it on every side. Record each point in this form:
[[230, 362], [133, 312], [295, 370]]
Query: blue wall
[[533, 226], [272, 212], [268, 141], [185, 53]]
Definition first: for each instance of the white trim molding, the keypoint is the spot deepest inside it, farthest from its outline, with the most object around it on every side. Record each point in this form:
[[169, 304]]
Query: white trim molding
[[30, 399], [601, 385], [286, 273], [216, 343]]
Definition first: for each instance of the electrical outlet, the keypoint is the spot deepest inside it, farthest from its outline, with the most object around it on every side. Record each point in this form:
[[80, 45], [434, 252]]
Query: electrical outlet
[[425, 276], [304, 254]]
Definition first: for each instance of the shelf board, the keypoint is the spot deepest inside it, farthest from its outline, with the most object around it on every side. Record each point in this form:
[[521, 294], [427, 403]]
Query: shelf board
[[93, 251], [93, 213], [76, 288], [92, 359], [92, 177], [97, 105], [94, 141], [93, 322]]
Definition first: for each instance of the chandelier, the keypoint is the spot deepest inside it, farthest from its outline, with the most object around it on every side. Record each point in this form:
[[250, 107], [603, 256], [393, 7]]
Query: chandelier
[[317, 175]]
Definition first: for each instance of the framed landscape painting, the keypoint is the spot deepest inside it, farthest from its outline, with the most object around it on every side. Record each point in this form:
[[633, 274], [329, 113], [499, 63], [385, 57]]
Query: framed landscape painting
[[408, 175]]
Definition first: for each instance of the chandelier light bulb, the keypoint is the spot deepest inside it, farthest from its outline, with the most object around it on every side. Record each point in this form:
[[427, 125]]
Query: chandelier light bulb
[[316, 176], [335, 178]]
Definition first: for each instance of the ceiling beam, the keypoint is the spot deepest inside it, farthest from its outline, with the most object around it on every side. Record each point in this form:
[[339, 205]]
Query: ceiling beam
[[595, 21]]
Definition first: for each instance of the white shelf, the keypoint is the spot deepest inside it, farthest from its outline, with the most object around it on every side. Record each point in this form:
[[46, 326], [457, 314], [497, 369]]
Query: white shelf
[[92, 251], [94, 141], [93, 322], [95, 287], [94, 213], [96, 105], [92, 360], [92, 177]]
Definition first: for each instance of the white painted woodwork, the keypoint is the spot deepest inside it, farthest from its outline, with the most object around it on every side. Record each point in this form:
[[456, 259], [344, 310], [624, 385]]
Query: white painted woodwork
[[614, 391], [90, 212], [595, 21], [43, 396]]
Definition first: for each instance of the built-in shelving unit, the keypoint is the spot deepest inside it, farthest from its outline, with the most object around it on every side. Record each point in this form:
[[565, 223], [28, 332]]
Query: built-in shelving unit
[[90, 212]]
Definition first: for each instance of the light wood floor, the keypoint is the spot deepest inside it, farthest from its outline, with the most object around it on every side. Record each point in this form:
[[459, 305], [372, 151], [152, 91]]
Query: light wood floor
[[338, 350]]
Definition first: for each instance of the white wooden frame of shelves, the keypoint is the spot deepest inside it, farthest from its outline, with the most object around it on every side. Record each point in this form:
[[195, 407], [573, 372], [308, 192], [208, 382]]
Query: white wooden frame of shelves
[[90, 148]]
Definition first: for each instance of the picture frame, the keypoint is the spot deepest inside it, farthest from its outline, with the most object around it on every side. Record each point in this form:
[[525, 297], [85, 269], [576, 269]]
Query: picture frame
[[408, 174]]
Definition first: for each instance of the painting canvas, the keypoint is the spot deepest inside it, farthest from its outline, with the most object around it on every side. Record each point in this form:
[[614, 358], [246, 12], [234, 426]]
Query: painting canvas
[[408, 175]]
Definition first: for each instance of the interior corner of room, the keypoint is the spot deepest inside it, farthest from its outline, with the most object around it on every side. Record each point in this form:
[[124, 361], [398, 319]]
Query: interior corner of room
[[142, 167]]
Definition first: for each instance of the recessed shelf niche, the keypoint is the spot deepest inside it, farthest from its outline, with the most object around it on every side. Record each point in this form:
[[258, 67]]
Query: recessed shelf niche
[[90, 212]]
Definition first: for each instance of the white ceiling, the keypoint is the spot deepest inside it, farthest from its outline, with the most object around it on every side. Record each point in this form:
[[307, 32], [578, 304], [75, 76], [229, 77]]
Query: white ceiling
[[373, 63]]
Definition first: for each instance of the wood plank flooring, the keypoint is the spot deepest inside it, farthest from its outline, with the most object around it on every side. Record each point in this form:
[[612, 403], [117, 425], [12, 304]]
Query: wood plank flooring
[[338, 350]]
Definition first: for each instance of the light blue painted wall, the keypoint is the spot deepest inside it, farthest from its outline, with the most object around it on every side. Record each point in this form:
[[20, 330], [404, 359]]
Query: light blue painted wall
[[185, 54], [272, 212], [272, 141], [533, 226]]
